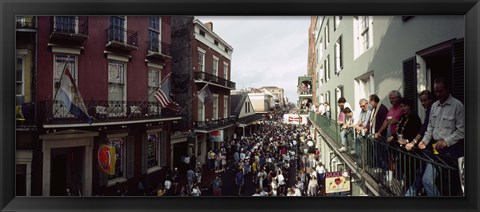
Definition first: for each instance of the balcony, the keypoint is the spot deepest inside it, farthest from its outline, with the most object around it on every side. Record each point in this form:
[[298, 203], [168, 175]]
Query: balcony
[[55, 112], [26, 23], [395, 170], [158, 51], [210, 125], [69, 30], [202, 77], [121, 40]]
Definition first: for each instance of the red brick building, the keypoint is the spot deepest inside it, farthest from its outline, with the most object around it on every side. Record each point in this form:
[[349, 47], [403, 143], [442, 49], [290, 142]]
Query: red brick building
[[116, 62]]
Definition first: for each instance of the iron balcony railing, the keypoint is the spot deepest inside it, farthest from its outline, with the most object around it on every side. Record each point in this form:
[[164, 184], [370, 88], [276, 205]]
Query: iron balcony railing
[[101, 111], [214, 79], [157, 46], [122, 35], [26, 22], [392, 166], [212, 124], [69, 24]]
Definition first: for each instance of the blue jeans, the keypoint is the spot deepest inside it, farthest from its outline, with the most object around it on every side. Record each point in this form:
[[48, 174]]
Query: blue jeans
[[428, 180]]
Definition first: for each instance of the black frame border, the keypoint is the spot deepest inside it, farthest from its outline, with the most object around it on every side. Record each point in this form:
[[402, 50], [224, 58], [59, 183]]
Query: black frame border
[[10, 8]]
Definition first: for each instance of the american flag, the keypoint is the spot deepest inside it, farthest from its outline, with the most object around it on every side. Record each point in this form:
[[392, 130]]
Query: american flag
[[163, 97]]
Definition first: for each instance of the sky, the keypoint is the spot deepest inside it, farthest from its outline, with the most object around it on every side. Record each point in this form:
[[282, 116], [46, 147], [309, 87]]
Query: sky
[[267, 50]]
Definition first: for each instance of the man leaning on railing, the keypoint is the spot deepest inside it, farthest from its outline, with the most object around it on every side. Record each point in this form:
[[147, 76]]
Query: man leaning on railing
[[445, 134]]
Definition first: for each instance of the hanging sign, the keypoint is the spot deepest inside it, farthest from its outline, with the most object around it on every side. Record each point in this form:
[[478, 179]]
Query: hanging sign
[[106, 159], [337, 182]]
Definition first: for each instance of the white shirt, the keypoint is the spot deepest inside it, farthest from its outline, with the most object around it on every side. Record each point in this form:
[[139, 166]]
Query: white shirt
[[281, 179], [168, 184]]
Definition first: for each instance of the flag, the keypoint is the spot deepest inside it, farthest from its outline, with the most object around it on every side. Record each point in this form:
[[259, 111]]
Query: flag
[[163, 97], [70, 95], [205, 95], [107, 159]]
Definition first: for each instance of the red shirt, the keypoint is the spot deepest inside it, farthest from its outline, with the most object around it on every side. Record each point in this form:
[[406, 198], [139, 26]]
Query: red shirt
[[395, 112]]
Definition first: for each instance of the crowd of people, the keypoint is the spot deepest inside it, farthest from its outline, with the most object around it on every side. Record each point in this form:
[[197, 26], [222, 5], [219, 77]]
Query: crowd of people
[[439, 138]]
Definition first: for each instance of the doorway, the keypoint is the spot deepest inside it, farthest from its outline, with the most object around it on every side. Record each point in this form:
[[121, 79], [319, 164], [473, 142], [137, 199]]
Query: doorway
[[67, 171]]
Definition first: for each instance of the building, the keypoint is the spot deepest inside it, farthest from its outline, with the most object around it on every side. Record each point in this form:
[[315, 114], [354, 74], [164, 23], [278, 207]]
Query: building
[[245, 115], [203, 64], [278, 93], [357, 56], [117, 63]]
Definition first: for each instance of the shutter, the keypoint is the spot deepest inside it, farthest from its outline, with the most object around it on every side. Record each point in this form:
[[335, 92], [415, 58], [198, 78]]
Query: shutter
[[341, 53], [163, 149], [458, 80], [410, 81], [130, 156], [144, 154]]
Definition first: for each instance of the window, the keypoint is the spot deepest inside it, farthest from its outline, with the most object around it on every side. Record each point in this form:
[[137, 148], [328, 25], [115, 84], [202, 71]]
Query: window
[[322, 75], [215, 42], [363, 33], [20, 76], [249, 105], [336, 21], [338, 56], [225, 71], [201, 111], [61, 63], [117, 28], [201, 60], [246, 107], [215, 106], [154, 34], [364, 86], [67, 24], [153, 150], [116, 88], [226, 49], [215, 66], [154, 79], [202, 33], [327, 68], [225, 107], [120, 152]]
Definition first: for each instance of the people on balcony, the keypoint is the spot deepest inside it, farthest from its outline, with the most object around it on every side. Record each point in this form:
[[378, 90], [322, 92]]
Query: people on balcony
[[346, 128], [361, 125], [445, 135], [327, 110], [426, 98], [393, 115], [407, 129], [378, 115]]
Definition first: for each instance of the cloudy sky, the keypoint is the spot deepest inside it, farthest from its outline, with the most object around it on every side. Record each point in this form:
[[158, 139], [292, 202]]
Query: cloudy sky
[[267, 51]]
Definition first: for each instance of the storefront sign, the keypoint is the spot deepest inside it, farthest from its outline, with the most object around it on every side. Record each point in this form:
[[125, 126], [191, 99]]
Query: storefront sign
[[337, 182], [107, 158], [216, 136]]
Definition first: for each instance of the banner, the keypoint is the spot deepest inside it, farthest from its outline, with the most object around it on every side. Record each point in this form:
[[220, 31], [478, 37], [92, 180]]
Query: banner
[[107, 159], [295, 119], [216, 136], [337, 182]]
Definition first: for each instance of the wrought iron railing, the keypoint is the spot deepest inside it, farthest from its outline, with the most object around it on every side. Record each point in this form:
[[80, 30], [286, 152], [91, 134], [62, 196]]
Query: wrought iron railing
[[120, 34], [392, 166], [26, 22], [214, 79], [70, 24], [155, 45], [100, 111], [211, 124]]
